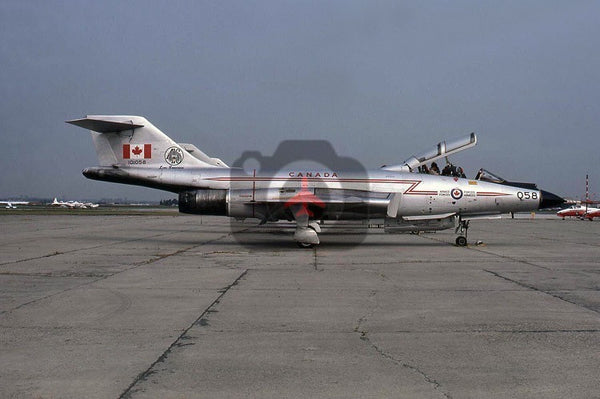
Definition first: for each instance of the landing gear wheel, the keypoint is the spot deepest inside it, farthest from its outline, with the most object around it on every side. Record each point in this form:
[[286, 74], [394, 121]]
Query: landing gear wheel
[[305, 245], [461, 241]]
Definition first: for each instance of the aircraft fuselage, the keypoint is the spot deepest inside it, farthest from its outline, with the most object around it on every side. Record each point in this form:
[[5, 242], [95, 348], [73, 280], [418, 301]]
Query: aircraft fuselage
[[421, 194]]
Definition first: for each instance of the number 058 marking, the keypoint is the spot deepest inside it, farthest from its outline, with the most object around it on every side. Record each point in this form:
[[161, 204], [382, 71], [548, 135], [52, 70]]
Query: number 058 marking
[[526, 195]]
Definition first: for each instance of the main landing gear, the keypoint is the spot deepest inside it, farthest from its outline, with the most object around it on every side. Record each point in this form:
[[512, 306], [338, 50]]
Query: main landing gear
[[306, 237], [461, 229]]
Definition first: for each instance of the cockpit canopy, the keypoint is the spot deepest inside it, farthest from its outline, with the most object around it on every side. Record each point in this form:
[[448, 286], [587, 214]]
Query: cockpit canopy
[[442, 149], [486, 175]]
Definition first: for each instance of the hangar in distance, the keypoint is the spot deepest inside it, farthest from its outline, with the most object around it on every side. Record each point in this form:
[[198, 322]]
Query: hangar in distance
[[133, 151]]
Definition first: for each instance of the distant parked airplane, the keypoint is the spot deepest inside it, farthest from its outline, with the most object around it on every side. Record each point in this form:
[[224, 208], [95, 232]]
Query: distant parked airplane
[[579, 211], [73, 204], [583, 211], [11, 204]]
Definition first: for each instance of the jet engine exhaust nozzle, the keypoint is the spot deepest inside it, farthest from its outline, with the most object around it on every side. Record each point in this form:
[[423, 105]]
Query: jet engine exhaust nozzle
[[550, 200]]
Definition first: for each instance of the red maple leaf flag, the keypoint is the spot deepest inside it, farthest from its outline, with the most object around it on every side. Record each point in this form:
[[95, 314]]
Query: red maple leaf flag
[[137, 151]]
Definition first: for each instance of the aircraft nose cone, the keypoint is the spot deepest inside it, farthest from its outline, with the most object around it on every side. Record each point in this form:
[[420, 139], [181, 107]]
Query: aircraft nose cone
[[550, 200]]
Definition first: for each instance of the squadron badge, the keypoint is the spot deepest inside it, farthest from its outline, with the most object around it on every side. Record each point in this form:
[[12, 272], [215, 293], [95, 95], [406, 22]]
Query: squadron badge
[[174, 156]]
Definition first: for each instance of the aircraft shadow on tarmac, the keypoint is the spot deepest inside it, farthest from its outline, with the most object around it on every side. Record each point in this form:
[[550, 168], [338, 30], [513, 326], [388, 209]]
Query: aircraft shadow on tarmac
[[279, 240]]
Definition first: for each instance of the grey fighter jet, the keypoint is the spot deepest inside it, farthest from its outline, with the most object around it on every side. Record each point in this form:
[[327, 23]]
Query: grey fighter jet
[[133, 151]]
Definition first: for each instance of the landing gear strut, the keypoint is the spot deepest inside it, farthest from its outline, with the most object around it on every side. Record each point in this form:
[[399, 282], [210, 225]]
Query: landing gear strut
[[461, 229]]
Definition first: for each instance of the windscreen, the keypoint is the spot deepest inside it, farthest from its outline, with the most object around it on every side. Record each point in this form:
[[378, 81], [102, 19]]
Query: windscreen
[[486, 175]]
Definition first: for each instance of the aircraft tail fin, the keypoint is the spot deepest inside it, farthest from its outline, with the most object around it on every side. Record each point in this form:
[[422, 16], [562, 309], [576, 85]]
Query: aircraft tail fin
[[133, 141]]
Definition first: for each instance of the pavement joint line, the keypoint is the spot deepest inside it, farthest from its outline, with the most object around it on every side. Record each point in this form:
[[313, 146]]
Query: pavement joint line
[[133, 267], [394, 290], [522, 284], [364, 336], [562, 241], [436, 385], [315, 263], [87, 248], [511, 258], [300, 331], [50, 275], [74, 328], [54, 229], [372, 297], [408, 262], [531, 287], [481, 331], [146, 373], [469, 247]]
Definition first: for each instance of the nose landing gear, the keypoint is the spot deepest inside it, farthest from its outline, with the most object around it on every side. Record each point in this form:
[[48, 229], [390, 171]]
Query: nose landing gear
[[461, 229], [461, 241]]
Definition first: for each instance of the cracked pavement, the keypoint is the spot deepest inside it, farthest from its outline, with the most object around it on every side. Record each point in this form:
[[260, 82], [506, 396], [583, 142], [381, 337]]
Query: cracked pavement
[[163, 306]]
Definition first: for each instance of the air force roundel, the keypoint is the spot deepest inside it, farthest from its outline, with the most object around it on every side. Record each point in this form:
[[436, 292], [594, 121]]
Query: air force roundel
[[456, 193]]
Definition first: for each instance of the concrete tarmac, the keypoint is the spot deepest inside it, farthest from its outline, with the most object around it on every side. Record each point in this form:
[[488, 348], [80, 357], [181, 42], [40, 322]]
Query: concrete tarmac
[[175, 307]]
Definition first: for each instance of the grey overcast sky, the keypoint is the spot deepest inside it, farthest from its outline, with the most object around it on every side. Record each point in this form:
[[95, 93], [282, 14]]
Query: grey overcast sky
[[380, 80]]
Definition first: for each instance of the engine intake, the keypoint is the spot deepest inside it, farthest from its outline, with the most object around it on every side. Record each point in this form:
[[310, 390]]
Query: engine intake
[[203, 202]]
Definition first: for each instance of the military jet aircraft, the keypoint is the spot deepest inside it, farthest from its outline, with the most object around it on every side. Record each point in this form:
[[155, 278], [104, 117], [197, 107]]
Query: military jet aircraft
[[133, 151]]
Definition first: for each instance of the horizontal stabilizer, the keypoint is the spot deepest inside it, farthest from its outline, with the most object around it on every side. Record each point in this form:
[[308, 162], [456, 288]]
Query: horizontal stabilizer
[[103, 126]]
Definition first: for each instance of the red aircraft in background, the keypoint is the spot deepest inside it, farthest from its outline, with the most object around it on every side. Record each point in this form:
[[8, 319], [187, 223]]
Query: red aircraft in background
[[594, 214], [580, 211], [583, 211]]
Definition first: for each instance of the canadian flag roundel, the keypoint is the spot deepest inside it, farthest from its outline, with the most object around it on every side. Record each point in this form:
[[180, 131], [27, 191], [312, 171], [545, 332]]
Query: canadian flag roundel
[[456, 193], [137, 151]]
